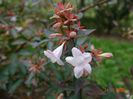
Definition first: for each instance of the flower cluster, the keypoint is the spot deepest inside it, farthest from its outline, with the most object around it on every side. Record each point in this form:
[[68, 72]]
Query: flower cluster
[[64, 21], [67, 26]]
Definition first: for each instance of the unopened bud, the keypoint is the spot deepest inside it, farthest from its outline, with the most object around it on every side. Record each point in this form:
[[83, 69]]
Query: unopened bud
[[106, 55], [54, 17], [57, 25], [55, 35], [73, 34]]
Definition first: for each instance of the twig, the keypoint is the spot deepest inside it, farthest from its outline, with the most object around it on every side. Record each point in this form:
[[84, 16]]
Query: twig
[[93, 5]]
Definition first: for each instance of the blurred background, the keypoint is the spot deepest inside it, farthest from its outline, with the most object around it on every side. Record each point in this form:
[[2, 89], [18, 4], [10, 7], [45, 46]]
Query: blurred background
[[23, 25]]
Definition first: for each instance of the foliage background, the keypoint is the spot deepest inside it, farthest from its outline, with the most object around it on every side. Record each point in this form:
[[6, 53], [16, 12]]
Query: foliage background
[[24, 39]]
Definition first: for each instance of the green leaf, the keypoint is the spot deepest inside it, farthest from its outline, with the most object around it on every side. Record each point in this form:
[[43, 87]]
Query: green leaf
[[81, 40], [14, 64], [36, 44], [30, 78], [47, 32], [15, 85], [18, 42], [85, 32], [110, 95], [80, 15], [25, 53]]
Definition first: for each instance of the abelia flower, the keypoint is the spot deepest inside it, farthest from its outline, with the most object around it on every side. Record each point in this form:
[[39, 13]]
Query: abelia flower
[[80, 61], [55, 55]]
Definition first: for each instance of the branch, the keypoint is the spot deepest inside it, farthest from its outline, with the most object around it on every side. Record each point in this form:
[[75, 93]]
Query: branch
[[93, 5]]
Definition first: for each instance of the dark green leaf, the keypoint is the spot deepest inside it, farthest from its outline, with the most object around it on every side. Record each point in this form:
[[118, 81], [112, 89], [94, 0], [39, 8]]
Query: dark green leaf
[[15, 85], [85, 32]]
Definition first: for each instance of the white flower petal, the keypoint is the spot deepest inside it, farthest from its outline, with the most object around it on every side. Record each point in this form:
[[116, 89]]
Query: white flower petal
[[87, 57], [50, 55], [87, 67], [55, 55], [59, 61], [80, 61], [78, 71], [76, 52], [75, 61], [71, 61], [58, 51]]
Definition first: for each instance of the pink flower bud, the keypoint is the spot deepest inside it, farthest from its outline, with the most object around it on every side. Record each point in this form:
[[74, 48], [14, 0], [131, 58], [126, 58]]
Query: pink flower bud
[[55, 35], [73, 20], [57, 25], [92, 47], [54, 16], [73, 34], [106, 55], [66, 22]]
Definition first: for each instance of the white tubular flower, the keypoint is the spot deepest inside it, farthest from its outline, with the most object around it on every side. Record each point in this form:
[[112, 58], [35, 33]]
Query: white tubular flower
[[80, 61], [55, 55]]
